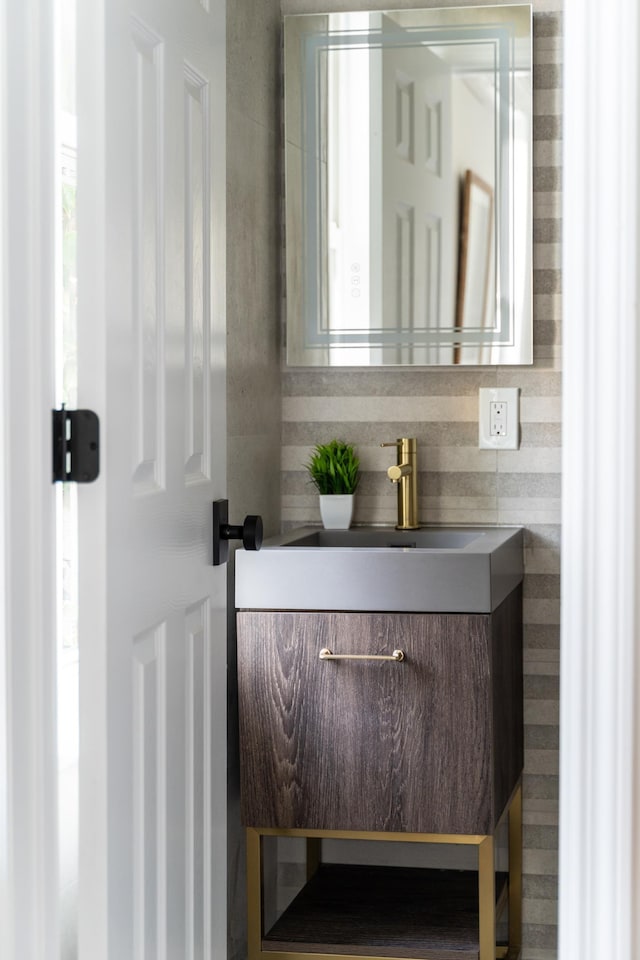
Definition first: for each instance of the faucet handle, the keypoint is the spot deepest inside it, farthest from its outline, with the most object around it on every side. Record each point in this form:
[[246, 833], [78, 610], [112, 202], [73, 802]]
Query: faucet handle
[[409, 443], [399, 471]]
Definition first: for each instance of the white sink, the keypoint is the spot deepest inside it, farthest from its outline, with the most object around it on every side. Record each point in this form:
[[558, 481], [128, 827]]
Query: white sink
[[438, 569]]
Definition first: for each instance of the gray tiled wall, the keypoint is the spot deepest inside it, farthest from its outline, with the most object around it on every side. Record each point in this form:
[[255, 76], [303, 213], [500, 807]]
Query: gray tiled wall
[[253, 258], [458, 482]]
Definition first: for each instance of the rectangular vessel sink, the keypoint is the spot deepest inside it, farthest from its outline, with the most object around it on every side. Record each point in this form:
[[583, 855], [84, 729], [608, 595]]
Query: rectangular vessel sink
[[437, 569], [423, 539]]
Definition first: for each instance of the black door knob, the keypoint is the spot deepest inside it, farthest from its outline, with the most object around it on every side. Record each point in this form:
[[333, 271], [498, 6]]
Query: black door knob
[[250, 532]]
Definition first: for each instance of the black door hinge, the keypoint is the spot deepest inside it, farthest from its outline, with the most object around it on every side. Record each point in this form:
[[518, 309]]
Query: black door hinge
[[76, 445]]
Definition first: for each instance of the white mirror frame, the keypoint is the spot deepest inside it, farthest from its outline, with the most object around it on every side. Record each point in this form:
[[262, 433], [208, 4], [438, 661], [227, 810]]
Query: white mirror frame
[[599, 888]]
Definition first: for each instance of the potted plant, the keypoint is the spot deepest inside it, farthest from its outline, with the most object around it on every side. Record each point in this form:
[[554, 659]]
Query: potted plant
[[334, 468]]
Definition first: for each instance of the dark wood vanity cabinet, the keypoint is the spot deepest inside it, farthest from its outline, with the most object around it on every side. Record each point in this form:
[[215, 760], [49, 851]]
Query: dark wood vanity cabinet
[[424, 746], [431, 744]]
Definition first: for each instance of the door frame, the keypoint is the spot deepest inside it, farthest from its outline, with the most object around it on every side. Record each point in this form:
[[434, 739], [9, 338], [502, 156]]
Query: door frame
[[599, 886], [29, 887]]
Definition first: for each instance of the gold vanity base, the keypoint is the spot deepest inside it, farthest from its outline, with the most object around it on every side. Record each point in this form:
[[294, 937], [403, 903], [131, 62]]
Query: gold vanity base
[[492, 895]]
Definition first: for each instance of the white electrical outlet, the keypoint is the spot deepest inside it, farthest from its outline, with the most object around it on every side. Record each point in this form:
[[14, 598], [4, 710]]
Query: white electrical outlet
[[499, 420]]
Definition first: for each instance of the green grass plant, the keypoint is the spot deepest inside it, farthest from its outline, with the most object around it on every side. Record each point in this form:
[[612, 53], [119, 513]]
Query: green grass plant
[[334, 468]]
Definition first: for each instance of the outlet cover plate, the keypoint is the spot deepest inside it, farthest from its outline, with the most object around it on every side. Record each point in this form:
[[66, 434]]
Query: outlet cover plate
[[510, 439]]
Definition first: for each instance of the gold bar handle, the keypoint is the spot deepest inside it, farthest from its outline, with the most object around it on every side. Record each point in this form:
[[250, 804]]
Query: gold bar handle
[[326, 654]]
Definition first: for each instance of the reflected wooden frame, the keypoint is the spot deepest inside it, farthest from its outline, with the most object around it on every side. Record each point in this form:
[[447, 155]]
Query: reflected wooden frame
[[476, 241]]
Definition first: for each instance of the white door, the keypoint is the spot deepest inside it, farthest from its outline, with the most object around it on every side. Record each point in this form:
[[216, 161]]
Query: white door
[[151, 361]]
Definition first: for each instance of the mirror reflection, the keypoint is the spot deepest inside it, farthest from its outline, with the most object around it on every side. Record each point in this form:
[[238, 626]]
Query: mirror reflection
[[408, 187]]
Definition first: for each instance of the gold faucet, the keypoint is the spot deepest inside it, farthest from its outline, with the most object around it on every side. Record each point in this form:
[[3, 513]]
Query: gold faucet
[[405, 474]]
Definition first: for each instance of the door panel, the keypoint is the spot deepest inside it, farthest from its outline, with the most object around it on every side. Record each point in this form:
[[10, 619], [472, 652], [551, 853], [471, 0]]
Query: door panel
[[149, 788], [151, 361], [197, 274], [150, 194], [198, 789]]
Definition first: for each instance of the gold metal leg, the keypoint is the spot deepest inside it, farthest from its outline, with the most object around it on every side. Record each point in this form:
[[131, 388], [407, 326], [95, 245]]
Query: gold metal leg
[[486, 885], [487, 899], [515, 875], [254, 893], [314, 855]]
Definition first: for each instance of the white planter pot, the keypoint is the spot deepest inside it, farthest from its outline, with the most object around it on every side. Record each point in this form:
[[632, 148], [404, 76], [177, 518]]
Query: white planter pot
[[336, 510]]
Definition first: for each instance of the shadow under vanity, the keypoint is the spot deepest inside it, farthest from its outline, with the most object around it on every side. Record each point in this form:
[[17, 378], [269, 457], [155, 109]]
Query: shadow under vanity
[[364, 717]]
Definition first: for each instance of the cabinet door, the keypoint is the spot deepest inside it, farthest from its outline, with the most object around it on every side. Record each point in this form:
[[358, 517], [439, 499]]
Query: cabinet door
[[362, 744]]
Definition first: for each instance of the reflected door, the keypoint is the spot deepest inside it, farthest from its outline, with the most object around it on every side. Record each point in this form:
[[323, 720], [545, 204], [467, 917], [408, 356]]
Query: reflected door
[[418, 198], [152, 622]]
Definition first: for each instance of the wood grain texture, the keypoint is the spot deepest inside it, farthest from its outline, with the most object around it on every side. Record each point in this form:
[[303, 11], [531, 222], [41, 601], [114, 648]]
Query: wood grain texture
[[389, 911], [376, 746]]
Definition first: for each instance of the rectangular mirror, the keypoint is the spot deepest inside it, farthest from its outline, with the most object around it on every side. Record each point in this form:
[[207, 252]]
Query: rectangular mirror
[[408, 187]]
